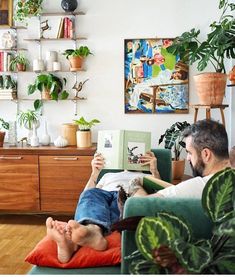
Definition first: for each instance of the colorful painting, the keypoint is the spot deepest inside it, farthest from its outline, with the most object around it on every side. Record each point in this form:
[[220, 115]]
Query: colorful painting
[[155, 80], [6, 13]]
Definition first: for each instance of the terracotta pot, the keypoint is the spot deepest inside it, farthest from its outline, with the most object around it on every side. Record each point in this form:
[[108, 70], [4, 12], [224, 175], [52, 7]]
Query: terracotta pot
[[21, 67], [2, 136], [46, 94], [75, 63], [210, 87], [68, 131], [178, 169], [83, 139], [231, 76]]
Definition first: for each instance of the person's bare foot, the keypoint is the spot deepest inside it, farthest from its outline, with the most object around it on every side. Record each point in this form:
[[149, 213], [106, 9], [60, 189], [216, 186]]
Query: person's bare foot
[[86, 235], [56, 230]]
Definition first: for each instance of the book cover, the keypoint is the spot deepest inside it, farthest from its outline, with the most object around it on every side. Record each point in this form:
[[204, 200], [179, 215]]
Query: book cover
[[122, 148], [60, 28]]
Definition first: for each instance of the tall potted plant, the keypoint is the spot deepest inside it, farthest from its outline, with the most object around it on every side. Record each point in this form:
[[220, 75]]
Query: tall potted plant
[[84, 132], [218, 45], [174, 141], [3, 125], [76, 57]]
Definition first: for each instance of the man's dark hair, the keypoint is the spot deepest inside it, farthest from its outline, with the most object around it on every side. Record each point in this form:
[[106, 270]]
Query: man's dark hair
[[209, 134]]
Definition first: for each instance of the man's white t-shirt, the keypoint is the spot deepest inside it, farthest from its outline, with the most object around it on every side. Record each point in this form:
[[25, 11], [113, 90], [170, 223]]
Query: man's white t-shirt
[[191, 188], [111, 181]]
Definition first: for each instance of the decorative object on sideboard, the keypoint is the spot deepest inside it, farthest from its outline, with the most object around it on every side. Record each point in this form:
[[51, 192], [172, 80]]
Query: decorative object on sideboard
[[46, 139], [34, 140], [218, 45], [3, 125], [60, 142], [12, 133], [78, 87], [27, 8], [76, 57], [231, 76], [69, 5], [19, 62], [84, 132], [68, 131], [174, 141], [27, 119]]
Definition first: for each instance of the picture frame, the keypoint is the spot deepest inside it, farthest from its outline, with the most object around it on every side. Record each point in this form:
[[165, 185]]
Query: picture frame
[[6, 13], [155, 81]]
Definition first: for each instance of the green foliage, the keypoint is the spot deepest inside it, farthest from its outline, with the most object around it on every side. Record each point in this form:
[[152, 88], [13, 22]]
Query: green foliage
[[174, 139], [51, 83], [4, 124], [197, 256], [82, 51], [218, 45], [26, 8], [85, 125], [28, 118], [18, 59]]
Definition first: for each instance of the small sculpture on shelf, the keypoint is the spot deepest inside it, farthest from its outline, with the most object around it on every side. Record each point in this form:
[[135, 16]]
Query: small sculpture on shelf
[[78, 87], [44, 26]]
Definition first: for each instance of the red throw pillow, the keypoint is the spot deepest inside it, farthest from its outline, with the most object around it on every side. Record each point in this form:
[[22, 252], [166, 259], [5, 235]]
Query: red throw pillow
[[45, 254]]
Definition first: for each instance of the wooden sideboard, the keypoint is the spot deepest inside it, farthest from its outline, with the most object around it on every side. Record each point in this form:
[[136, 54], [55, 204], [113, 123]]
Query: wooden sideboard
[[43, 179]]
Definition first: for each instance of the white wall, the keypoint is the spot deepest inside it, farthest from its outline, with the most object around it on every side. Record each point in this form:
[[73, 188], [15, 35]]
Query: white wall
[[106, 24]]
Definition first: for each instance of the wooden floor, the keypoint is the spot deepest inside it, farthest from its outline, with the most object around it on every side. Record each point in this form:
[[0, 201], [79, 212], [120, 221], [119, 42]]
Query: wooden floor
[[18, 236]]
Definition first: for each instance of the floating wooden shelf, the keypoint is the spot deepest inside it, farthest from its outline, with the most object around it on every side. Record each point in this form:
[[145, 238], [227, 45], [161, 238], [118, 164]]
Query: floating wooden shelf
[[53, 39], [62, 13]]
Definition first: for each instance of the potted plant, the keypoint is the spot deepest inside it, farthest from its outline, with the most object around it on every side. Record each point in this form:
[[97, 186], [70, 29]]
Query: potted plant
[[26, 8], [50, 86], [76, 57], [84, 132], [19, 62], [218, 45], [3, 125], [171, 237], [174, 141]]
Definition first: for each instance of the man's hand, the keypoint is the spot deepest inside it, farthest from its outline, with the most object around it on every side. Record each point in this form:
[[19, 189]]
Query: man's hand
[[150, 158], [97, 164]]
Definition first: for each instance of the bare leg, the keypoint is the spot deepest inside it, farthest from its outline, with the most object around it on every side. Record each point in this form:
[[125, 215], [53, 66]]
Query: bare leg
[[65, 247], [86, 235]]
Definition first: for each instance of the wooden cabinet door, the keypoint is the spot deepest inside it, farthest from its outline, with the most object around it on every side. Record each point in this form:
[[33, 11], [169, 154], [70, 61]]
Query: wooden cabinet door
[[62, 179], [19, 183]]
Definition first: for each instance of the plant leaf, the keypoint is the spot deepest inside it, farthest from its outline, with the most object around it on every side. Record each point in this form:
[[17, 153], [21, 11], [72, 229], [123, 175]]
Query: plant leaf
[[218, 195], [144, 267], [226, 228]]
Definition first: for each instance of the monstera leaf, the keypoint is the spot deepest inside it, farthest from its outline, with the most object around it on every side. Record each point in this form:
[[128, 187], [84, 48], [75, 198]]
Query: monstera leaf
[[218, 196], [194, 257]]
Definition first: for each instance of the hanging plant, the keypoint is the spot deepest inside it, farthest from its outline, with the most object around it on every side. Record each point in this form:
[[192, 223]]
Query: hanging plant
[[27, 8]]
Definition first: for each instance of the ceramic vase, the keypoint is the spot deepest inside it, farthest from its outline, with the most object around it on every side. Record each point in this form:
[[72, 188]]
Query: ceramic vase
[[34, 140], [46, 139], [69, 5], [12, 135]]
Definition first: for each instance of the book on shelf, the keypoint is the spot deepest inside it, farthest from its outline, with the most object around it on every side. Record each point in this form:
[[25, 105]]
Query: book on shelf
[[122, 149], [70, 22], [60, 33]]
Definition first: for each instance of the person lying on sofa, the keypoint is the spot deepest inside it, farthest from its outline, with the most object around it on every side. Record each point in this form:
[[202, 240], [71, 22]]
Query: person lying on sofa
[[207, 152]]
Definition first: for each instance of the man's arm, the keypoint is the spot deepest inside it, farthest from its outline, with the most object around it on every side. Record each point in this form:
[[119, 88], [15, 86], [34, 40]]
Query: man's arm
[[97, 165]]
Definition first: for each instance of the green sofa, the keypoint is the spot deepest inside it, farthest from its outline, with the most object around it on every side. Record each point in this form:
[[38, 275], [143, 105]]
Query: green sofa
[[190, 209]]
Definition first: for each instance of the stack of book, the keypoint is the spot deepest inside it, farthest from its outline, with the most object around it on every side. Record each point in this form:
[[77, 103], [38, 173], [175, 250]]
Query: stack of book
[[66, 28], [5, 60], [8, 94]]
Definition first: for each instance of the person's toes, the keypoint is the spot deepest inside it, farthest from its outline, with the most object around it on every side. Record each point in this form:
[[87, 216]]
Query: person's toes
[[49, 222]]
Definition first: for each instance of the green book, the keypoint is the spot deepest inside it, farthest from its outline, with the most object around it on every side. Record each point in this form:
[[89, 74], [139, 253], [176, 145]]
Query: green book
[[122, 148]]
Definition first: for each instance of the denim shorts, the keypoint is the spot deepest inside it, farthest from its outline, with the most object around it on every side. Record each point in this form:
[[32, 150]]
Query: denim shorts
[[98, 207]]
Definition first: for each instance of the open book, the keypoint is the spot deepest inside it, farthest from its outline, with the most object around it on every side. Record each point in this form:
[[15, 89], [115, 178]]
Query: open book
[[122, 148]]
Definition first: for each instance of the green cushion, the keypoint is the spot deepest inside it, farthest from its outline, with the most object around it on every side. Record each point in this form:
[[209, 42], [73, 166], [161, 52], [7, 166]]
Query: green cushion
[[190, 209]]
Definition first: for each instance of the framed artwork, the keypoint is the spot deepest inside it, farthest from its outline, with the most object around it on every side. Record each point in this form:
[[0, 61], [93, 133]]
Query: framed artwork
[[155, 80], [6, 13]]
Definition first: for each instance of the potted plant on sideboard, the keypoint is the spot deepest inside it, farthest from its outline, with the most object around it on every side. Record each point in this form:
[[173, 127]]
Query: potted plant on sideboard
[[84, 132], [218, 45], [3, 125], [77, 56], [174, 141]]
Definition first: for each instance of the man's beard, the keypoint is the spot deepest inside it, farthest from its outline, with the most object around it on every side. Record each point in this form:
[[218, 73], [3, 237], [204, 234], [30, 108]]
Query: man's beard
[[198, 168]]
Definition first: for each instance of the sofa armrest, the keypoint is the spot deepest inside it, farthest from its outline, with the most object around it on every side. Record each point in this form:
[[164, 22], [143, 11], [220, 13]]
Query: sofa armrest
[[152, 184], [190, 209]]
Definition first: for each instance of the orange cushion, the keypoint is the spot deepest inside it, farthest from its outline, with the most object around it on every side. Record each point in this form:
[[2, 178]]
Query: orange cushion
[[45, 254]]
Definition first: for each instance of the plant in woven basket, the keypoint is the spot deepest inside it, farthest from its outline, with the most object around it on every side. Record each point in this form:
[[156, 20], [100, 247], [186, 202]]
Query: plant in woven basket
[[166, 243]]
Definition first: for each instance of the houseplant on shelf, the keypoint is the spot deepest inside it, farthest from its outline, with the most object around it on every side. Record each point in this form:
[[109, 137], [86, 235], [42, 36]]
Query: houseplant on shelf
[[27, 8], [76, 57], [3, 125], [19, 62], [218, 45], [174, 141], [50, 86], [84, 132], [169, 237]]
